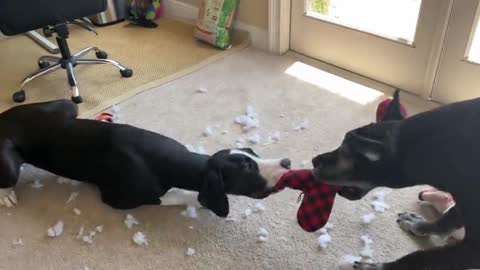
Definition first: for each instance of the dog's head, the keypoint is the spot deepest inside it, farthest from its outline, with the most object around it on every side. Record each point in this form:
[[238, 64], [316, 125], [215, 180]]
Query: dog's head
[[238, 172], [362, 154]]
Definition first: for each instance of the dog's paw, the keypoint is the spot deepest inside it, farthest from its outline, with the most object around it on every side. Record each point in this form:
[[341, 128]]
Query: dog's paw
[[411, 223], [367, 266], [8, 198]]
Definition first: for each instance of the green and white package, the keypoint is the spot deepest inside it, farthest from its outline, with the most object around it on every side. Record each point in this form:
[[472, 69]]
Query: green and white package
[[214, 22]]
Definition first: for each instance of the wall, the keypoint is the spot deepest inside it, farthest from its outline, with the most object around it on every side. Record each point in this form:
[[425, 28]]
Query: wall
[[252, 12]]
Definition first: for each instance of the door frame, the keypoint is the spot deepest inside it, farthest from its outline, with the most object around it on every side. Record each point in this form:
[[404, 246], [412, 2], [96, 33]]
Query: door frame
[[279, 12]]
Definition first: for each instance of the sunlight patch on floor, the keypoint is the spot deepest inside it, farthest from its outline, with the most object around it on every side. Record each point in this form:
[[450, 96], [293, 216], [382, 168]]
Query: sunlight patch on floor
[[337, 85]]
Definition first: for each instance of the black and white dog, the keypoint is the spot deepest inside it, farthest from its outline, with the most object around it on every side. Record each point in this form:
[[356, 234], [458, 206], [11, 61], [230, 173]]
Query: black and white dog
[[130, 166], [440, 148]]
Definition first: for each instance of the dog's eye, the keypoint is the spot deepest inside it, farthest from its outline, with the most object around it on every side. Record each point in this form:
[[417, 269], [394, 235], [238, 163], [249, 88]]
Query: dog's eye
[[247, 166]]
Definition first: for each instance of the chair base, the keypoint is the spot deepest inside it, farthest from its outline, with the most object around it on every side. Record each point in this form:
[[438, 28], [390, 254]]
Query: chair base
[[50, 63]]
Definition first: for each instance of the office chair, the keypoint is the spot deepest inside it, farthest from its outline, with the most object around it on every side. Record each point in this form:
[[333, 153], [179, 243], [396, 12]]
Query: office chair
[[54, 17]]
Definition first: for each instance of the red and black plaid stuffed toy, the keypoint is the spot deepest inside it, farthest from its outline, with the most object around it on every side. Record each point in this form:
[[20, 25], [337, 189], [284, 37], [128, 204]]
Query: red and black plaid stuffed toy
[[318, 198]]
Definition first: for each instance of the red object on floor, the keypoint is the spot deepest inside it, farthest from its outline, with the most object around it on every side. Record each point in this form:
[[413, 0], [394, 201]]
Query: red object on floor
[[105, 117], [318, 198], [384, 107]]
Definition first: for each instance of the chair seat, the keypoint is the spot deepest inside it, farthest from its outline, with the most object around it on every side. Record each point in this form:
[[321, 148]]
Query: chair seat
[[20, 16]]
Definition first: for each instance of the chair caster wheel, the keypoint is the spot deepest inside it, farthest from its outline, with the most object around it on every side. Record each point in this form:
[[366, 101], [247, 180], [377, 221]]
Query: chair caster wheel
[[19, 96], [101, 54], [43, 64], [77, 99], [126, 73]]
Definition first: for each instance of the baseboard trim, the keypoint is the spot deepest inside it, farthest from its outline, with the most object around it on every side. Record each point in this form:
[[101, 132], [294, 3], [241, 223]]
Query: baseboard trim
[[188, 13]]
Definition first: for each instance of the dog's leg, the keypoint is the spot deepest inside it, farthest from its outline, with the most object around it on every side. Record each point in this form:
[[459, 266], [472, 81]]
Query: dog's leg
[[10, 163], [459, 257], [417, 225]]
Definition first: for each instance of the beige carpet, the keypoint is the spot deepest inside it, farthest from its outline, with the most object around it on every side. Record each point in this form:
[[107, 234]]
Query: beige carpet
[[175, 109], [155, 55]]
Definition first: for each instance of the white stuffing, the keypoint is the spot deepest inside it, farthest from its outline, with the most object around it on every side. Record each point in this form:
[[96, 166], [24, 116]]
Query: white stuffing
[[208, 131], [190, 147], [378, 201], [17, 242], [259, 207], [202, 90], [247, 213], [56, 230], [346, 262], [89, 238], [368, 218], [99, 228], [274, 137], [254, 139], [115, 113], [77, 211], [199, 149], [190, 252], [380, 206], [72, 197], [262, 232], [224, 132], [115, 109], [80, 232], [381, 194], [36, 184], [140, 239], [302, 126], [323, 240], [325, 229], [282, 115], [249, 120], [190, 212], [130, 221], [367, 250], [63, 180], [191, 227], [262, 239]]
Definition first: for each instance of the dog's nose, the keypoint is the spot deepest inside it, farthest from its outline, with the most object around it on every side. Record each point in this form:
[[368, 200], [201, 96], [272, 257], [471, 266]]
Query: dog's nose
[[286, 163]]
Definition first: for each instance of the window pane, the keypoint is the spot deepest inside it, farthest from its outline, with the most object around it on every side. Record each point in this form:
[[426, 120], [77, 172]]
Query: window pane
[[393, 19], [474, 52]]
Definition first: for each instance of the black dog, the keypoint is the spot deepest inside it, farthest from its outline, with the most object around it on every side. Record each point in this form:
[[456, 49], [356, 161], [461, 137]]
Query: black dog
[[440, 148], [130, 166]]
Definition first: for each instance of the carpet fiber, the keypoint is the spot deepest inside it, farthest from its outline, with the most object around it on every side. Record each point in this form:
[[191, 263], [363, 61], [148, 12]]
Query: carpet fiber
[[155, 55]]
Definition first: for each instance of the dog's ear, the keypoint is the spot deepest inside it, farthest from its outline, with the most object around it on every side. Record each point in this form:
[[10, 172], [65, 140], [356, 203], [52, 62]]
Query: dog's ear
[[212, 193], [370, 141]]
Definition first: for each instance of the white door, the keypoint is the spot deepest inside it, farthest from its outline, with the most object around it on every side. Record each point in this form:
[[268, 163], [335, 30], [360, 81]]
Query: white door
[[397, 42], [458, 76]]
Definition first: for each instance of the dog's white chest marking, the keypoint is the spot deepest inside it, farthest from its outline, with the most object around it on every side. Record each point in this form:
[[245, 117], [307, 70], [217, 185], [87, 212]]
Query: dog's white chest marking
[[176, 196]]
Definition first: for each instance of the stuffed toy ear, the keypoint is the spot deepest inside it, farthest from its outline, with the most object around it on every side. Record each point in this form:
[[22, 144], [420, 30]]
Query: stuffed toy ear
[[212, 194], [391, 109]]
